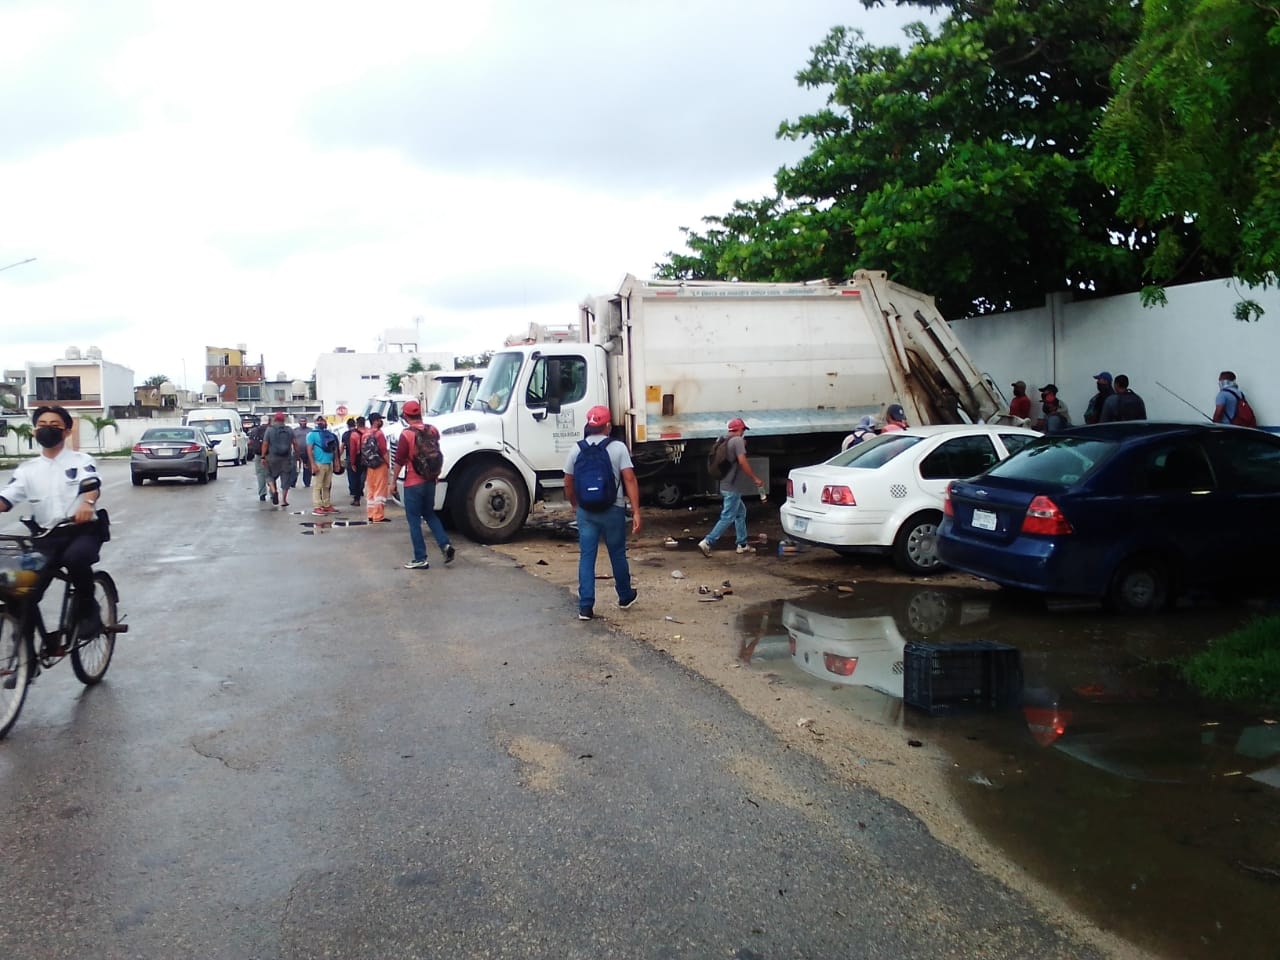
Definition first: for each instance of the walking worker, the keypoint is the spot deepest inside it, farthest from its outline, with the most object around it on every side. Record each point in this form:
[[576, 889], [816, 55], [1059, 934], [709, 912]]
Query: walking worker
[[373, 454], [1020, 405], [895, 419], [586, 478], [1230, 405], [1093, 412], [322, 453], [865, 430], [277, 450], [351, 441], [420, 486], [302, 461], [740, 479], [1123, 404], [256, 436]]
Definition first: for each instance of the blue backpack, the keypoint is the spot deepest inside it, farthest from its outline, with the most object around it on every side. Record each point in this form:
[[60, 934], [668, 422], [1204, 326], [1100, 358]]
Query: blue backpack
[[593, 477]]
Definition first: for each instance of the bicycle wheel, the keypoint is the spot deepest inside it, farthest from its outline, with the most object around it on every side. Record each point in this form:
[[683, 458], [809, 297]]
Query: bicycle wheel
[[15, 670], [90, 656]]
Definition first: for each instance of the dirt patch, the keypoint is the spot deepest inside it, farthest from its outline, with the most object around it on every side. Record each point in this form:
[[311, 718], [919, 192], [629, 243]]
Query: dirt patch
[[683, 616]]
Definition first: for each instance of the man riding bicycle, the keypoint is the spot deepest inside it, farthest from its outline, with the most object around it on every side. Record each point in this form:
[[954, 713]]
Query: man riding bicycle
[[52, 484]]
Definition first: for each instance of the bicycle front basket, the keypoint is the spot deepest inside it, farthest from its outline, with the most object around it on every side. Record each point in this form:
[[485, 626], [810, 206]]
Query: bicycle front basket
[[20, 572]]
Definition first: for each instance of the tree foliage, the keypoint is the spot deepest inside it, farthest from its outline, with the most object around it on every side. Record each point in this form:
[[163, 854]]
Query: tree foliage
[[394, 381], [1190, 141], [155, 381], [99, 424], [415, 366], [474, 362], [958, 165]]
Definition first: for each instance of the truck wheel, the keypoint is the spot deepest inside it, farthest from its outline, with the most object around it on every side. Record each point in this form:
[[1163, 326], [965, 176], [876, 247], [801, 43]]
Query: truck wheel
[[915, 548], [668, 494], [493, 503], [1140, 585]]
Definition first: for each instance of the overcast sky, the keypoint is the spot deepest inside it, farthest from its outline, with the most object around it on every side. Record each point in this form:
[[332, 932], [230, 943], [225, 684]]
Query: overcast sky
[[301, 176]]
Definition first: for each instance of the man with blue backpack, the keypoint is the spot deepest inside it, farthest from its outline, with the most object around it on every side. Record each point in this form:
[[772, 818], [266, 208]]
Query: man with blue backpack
[[599, 478]]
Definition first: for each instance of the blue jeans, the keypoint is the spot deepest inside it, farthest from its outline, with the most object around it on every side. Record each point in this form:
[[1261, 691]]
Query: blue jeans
[[732, 514], [420, 505], [611, 526]]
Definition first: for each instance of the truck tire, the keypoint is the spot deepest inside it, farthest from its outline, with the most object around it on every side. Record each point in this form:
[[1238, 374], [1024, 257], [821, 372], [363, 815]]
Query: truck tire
[[492, 504], [915, 548]]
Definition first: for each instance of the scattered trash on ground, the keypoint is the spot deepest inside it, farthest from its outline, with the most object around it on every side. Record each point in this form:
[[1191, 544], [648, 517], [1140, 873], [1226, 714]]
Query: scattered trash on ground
[[677, 574]]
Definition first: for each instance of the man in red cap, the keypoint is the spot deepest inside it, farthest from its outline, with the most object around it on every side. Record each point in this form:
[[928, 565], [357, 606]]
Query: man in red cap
[[739, 480], [420, 490], [599, 478]]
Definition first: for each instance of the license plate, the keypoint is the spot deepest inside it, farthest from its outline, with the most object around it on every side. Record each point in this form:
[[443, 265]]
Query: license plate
[[984, 520], [801, 524], [166, 453]]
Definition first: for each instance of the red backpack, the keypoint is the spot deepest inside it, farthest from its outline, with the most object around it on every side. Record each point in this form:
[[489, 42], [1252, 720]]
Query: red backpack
[[1244, 413]]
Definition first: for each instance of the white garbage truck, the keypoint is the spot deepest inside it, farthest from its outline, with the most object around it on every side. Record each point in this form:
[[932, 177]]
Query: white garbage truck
[[675, 361]]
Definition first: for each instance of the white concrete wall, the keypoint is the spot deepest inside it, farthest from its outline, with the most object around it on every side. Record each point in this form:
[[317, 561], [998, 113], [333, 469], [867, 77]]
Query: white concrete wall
[[124, 434], [1182, 346]]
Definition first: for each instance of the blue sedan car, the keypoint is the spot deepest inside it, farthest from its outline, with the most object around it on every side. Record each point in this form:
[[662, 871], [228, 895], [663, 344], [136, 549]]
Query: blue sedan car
[[1132, 513]]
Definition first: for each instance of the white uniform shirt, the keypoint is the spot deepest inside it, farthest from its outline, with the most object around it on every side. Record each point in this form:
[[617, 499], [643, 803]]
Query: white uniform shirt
[[50, 484]]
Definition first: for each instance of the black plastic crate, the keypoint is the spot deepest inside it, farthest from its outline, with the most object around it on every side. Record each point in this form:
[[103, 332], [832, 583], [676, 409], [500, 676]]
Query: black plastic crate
[[942, 678]]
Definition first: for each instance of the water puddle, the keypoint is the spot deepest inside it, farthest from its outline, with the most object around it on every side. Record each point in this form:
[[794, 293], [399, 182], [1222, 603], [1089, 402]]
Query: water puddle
[[1096, 769]]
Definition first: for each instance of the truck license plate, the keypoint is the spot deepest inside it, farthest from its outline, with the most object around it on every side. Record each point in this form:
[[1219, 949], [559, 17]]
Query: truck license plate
[[984, 520], [801, 524]]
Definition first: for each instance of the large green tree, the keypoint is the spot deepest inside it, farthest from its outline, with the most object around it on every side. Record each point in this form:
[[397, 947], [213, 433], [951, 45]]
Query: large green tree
[[1190, 140], [958, 164]]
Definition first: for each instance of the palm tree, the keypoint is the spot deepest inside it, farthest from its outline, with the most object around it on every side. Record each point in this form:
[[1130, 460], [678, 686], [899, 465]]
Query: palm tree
[[393, 382], [25, 431], [99, 424]]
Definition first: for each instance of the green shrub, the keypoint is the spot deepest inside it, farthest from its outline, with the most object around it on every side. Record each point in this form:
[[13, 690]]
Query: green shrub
[[1243, 666]]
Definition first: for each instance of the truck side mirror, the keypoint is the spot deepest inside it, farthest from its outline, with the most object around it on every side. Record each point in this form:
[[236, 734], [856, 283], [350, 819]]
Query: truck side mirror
[[553, 404]]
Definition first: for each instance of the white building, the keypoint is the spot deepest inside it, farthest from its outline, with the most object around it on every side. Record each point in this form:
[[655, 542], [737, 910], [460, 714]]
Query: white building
[[347, 379], [84, 384]]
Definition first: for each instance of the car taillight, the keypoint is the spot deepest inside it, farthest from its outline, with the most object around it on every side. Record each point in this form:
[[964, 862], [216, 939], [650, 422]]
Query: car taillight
[[947, 509], [1044, 518], [840, 666], [839, 495], [139, 448], [191, 448], [791, 489]]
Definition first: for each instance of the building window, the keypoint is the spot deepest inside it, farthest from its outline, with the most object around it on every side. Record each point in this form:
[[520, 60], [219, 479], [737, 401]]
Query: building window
[[52, 389], [248, 391]]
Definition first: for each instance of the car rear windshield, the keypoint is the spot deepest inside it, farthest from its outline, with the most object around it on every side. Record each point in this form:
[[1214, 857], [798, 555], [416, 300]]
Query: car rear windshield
[[1055, 461], [171, 433], [216, 426], [874, 453]]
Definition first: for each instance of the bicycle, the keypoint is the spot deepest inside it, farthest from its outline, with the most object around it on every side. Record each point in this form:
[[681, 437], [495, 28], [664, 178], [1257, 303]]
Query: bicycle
[[25, 574]]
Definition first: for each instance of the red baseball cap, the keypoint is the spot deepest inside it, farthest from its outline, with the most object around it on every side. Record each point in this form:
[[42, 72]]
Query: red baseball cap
[[411, 408], [280, 417], [737, 424], [598, 416]]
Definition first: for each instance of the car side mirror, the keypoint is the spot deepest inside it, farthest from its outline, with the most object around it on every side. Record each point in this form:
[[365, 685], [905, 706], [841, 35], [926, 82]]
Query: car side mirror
[[214, 443]]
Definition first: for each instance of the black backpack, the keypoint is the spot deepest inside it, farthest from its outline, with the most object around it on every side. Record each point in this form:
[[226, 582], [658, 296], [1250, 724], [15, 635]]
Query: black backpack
[[280, 441], [718, 462], [593, 477], [428, 461]]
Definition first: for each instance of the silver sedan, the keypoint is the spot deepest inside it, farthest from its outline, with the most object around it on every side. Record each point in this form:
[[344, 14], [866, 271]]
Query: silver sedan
[[174, 452]]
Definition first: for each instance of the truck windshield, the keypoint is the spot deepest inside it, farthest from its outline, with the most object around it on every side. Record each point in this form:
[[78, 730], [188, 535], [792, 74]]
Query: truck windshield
[[446, 400], [499, 382]]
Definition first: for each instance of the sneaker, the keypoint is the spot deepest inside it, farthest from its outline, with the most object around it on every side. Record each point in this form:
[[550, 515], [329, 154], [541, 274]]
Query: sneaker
[[704, 547], [635, 595], [745, 548], [586, 613], [418, 565], [262, 498], [449, 554], [319, 512]]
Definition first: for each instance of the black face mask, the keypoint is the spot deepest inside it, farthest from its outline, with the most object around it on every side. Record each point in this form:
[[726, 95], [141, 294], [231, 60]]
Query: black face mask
[[48, 437]]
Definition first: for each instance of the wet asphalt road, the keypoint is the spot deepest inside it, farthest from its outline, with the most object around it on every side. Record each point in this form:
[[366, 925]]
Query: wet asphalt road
[[302, 750]]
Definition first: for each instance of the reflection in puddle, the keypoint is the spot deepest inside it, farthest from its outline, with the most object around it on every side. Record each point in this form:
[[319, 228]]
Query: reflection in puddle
[[1156, 814]]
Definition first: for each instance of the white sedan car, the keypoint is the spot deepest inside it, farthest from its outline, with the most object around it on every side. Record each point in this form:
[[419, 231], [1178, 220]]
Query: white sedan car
[[885, 494]]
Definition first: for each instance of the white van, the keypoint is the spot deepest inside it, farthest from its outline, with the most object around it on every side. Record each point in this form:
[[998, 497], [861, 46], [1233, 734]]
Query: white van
[[221, 424]]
